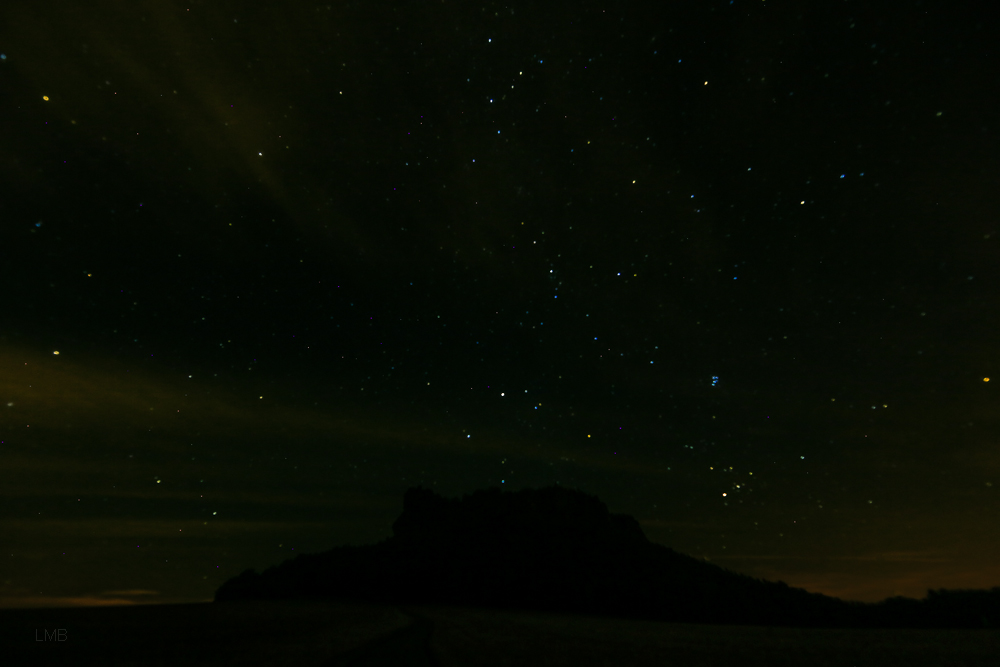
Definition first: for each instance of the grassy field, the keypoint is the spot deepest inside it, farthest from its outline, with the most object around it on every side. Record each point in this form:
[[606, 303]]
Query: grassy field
[[246, 633], [329, 634], [491, 639]]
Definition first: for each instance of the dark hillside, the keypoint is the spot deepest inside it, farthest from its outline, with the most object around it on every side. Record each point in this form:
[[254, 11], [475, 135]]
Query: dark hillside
[[556, 549]]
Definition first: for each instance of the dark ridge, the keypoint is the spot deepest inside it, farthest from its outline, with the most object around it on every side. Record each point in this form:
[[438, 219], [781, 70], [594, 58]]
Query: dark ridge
[[556, 549]]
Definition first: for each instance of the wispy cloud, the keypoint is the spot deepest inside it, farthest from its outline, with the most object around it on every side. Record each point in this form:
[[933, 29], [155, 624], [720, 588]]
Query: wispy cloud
[[45, 601]]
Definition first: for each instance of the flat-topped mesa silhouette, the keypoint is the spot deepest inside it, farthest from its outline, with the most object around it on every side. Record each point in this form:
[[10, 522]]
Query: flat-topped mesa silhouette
[[557, 549]]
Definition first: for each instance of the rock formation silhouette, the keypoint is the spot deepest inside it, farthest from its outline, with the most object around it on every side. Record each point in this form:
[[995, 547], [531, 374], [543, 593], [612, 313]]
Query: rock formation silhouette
[[557, 549]]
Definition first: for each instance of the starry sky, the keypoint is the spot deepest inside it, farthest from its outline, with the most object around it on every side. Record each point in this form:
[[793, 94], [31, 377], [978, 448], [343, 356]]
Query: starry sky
[[730, 266]]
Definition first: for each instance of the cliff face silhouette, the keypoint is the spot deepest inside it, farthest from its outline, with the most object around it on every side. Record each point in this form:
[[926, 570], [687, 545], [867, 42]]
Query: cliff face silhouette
[[557, 549]]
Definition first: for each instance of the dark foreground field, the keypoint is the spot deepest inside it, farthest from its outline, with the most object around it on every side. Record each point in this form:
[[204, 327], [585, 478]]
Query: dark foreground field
[[326, 633]]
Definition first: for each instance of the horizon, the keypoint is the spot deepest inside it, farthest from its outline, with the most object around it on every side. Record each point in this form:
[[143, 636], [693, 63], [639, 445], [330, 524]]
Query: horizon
[[148, 597]]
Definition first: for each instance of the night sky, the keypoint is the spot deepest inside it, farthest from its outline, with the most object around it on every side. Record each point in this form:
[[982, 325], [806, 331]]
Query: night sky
[[732, 267]]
